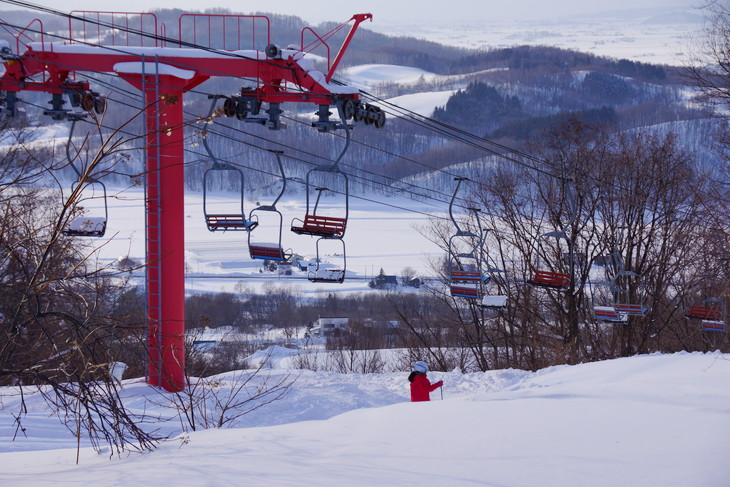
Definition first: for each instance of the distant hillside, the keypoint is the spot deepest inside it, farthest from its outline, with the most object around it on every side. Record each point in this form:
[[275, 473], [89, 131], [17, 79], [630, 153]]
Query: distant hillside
[[511, 95]]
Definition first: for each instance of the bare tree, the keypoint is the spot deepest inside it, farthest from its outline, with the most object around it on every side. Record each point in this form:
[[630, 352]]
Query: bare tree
[[57, 332], [221, 400], [709, 71]]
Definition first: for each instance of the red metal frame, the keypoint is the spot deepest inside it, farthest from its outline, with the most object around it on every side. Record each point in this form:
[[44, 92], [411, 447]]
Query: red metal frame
[[163, 95], [222, 23], [107, 21], [24, 33], [322, 40]]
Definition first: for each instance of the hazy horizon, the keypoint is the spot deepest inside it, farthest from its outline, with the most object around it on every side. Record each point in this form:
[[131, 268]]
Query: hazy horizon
[[386, 10]]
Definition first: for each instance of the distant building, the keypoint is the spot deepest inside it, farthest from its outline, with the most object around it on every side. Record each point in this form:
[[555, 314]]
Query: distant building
[[326, 327], [415, 282], [383, 281]]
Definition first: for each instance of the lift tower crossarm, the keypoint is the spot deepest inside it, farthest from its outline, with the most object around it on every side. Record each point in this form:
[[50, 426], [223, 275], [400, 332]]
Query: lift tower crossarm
[[274, 75]]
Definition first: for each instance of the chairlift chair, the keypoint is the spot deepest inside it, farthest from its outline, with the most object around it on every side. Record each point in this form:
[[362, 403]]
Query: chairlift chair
[[713, 325], [464, 265], [89, 226], [494, 302], [227, 220], [324, 273], [712, 314], [269, 250], [548, 278], [551, 279], [711, 309], [622, 306], [316, 224], [625, 304], [228, 217], [631, 309], [610, 314], [465, 278], [93, 225]]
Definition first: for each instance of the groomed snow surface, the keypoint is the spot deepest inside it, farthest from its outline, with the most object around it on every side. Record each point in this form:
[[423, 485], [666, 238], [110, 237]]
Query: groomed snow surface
[[657, 420]]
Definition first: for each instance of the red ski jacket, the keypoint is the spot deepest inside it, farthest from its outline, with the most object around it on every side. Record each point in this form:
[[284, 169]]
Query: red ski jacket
[[421, 388]]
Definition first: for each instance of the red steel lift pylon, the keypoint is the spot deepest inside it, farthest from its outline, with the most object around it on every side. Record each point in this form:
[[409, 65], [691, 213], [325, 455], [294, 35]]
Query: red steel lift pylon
[[164, 75]]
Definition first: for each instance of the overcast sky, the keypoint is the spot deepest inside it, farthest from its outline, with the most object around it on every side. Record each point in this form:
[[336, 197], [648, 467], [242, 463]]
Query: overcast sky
[[387, 11]]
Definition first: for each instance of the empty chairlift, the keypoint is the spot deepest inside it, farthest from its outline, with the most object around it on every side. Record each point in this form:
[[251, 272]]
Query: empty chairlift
[[466, 279], [328, 226], [221, 212], [711, 314], [630, 294], [270, 222], [610, 314], [92, 223], [494, 302], [317, 223], [225, 215], [90, 220], [330, 272], [551, 278], [625, 292]]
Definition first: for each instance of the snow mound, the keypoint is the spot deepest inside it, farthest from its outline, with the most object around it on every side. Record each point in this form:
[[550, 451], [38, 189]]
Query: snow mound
[[367, 76], [270, 357]]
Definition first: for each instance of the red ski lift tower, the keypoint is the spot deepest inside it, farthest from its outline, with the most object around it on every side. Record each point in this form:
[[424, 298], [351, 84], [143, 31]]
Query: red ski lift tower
[[130, 45]]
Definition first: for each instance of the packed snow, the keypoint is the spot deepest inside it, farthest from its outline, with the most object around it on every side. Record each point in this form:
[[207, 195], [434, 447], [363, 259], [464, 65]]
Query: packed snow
[[644, 420]]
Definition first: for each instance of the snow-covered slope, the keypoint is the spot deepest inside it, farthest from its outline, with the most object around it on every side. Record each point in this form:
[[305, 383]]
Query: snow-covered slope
[[647, 420]]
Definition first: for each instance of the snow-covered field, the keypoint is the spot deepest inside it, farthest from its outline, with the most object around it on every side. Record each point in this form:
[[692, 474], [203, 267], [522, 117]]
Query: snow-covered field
[[379, 236], [658, 420], [648, 35]]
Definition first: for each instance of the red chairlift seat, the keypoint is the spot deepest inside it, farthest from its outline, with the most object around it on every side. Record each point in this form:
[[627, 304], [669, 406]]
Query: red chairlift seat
[[704, 313], [631, 309], [470, 291], [268, 252], [713, 325], [609, 314], [468, 276], [554, 280], [320, 226]]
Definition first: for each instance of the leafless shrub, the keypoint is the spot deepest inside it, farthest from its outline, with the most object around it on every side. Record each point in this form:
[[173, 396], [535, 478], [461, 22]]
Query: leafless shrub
[[220, 401]]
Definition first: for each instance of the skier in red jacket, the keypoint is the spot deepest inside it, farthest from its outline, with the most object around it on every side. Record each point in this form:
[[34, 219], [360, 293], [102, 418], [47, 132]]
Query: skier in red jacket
[[421, 387]]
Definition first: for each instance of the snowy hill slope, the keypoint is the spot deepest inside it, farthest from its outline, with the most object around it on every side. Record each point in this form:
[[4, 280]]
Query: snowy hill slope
[[646, 420]]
